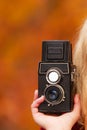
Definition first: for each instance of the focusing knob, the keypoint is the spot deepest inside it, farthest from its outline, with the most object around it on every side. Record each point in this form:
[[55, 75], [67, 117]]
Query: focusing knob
[[53, 76]]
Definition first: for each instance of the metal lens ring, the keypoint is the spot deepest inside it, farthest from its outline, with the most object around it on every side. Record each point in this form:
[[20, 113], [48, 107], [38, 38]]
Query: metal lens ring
[[53, 76], [54, 94]]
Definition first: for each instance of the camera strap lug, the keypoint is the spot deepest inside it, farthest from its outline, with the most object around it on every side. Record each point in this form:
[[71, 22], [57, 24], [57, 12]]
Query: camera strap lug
[[73, 73]]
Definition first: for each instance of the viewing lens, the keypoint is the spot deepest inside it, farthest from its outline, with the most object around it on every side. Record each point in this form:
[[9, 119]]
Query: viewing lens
[[53, 76]]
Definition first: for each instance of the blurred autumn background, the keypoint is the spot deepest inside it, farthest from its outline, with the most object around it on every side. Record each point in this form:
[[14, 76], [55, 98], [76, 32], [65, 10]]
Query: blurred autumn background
[[23, 26]]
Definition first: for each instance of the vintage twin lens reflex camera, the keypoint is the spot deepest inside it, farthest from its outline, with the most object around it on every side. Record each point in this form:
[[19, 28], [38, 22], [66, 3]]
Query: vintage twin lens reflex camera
[[55, 77]]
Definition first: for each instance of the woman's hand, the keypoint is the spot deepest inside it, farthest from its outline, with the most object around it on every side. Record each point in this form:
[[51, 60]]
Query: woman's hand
[[49, 122]]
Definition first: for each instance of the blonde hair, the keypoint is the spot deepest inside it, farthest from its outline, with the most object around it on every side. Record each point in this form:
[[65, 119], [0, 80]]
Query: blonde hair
[[80, 60]]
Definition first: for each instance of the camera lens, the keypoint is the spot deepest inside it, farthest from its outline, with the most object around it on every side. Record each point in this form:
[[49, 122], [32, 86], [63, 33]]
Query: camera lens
[[53, 76], [54, 94]]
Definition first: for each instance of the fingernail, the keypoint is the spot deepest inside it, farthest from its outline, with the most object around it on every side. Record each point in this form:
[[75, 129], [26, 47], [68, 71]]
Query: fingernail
[[36, 91], [77, 98]]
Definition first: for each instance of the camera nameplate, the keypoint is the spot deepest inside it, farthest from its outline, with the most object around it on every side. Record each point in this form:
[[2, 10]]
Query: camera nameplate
[[57, 65]]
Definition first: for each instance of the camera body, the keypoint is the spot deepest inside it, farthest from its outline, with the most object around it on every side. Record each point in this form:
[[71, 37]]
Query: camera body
[[55, 77]]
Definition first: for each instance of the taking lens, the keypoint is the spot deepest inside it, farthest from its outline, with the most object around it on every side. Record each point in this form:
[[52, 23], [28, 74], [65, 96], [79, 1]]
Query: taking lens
[[54, 94]]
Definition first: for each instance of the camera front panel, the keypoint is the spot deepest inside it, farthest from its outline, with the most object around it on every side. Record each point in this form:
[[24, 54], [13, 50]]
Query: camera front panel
[[54, 82]]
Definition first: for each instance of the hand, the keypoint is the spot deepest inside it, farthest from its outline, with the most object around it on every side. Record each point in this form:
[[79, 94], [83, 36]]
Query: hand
[[49, 122]]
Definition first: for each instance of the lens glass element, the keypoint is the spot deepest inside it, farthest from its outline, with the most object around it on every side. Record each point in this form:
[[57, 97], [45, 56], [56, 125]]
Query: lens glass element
[[54, 94], [53, 76]]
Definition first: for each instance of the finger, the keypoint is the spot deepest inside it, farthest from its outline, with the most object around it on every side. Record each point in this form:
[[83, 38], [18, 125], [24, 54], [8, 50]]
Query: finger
[[75, 114], [35, 94], [77, 106], [36, 103]]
